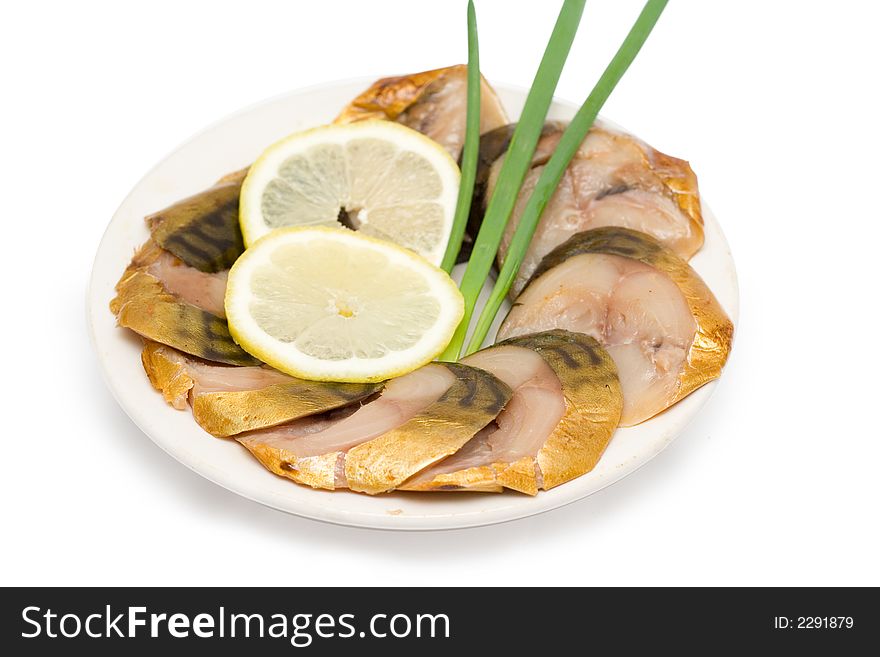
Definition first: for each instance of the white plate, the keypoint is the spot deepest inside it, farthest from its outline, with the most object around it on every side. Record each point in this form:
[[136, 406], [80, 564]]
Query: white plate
[[235, 142]]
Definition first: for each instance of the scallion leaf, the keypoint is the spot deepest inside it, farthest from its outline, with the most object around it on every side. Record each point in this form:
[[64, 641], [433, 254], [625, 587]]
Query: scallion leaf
[[555, 168], [515, 166], [471, 148]]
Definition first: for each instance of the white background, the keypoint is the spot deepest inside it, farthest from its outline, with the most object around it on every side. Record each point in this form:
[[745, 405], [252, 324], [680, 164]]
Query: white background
[[774, 104]]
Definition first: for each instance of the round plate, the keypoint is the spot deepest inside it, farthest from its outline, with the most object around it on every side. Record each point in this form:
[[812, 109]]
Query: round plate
[[232, 144]]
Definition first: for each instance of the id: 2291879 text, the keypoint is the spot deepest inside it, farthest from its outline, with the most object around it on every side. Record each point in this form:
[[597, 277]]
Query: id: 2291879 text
[[814, 623]]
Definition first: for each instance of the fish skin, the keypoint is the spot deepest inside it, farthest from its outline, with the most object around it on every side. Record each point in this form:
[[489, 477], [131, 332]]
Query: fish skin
[[387, 98], [593, 400], [226, 414], [472, 401], [593, 405], [297, 449], [713, 338], [203, 230], [143, 305], [230, 412], [166, 374], [646, 186], [315, 471], [477, 479], [406, 100]]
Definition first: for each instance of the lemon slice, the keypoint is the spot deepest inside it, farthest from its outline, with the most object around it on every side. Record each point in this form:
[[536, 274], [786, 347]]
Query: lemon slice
[[330, 304], [377, 177]]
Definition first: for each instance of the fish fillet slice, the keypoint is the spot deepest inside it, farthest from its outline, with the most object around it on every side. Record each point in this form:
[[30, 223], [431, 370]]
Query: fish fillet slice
[[197, 288], [203, 230], [230, 400], [613, 180], [432, 102], [565, 407], [661, 324], [419, 419], [175, 313]]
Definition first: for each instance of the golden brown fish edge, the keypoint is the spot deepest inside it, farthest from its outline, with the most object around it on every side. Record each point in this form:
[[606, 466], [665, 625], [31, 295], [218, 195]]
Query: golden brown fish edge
[[143, 305], [679, 178], [480, 479], [593, 405], [315, 471], [388, 98], [713, 338], [676, 175], [166, 375], [385, 463], [225, 414]]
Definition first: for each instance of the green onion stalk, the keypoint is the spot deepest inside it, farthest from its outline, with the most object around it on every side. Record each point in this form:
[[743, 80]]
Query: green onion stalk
[[516, 164], [555, 168], [471, 149]]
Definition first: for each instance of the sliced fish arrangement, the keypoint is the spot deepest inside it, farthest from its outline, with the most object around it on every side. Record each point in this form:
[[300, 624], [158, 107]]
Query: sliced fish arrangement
[[418, 420], [659, 321], [565, 407], [228, 400], [614, 179], [609, 326], [167, 301]]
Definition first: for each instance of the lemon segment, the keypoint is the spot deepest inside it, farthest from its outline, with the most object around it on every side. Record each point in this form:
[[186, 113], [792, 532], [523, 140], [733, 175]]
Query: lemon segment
[[378, 177], [330, 304]]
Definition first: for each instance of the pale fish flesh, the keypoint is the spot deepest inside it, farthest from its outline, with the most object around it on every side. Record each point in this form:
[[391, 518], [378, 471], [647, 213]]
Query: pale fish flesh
[[665, 330], [419, 419], [565, 407], [228, 400], [614, 179], [432, 102], [167, 301]]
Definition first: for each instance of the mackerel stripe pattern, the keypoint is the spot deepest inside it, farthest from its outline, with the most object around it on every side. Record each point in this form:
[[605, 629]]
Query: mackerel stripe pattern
[[202, 230]]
